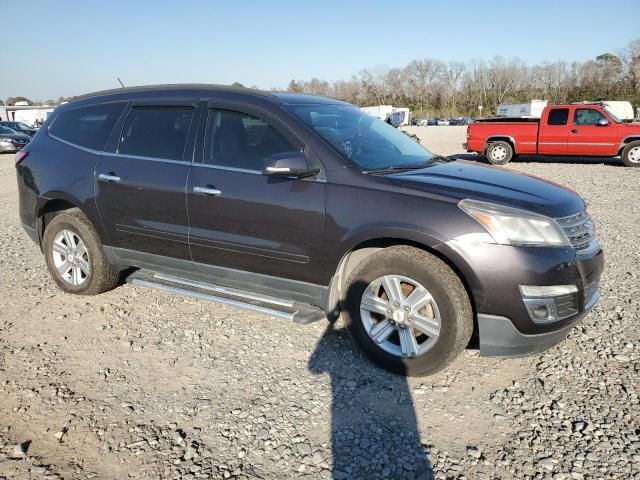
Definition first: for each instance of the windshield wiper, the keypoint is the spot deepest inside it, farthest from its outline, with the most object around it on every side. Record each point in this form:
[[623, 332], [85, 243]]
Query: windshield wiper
[[393, 169]]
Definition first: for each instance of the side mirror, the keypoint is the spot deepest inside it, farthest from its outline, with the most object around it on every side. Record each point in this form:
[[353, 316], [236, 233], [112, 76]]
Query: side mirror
[[289, 165], [603, 122]]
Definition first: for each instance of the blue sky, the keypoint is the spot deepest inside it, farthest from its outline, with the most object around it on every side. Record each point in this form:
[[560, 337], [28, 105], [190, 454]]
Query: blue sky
[[67, 48]]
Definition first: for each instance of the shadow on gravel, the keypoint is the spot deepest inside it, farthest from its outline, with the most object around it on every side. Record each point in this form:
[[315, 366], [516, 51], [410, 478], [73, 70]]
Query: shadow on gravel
[[374, 431], [614, 162]]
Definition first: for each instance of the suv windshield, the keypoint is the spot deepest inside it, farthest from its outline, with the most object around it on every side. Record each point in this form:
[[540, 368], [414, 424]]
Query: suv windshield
[[365, 140]]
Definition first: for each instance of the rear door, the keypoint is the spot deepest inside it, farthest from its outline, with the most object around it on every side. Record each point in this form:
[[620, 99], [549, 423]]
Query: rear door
[[554, 131], [141, 179], [241, 219], [587, 137]]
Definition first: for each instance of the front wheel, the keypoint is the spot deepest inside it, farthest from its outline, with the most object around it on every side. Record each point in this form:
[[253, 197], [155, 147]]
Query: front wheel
[[631, 154], [408, 311], [499, 153]]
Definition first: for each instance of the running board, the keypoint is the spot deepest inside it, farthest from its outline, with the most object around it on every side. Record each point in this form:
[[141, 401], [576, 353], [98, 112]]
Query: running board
[[268, 305]]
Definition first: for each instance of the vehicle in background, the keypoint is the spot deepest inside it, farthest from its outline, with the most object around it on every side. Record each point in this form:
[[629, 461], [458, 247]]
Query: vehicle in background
[[442, 122], [466, 121], [303, 207], [385, 111], [584, 130], [532, 109], [454, 121], [12, 141], [621, 109], [432, 121], [19, 127]]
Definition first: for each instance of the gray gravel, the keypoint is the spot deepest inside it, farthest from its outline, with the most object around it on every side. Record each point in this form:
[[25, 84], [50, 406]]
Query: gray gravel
[[140, 384]]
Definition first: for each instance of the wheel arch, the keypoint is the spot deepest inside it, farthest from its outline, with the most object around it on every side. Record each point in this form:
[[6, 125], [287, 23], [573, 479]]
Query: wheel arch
[[626, 141], [500, 138], [365, 248], [50, 204]]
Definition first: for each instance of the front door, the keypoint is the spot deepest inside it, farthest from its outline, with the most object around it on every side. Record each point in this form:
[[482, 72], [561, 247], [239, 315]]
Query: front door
[[140, 184], [587, 137], [243, 220]]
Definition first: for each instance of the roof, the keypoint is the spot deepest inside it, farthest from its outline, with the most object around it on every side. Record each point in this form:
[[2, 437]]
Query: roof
[[284, 97], [174, 87]]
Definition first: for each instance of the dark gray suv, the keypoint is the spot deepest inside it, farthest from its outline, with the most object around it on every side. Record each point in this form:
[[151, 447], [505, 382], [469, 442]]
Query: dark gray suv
[[303, 208]]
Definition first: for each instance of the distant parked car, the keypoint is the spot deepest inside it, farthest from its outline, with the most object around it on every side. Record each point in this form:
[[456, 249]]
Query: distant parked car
[[12, 141], [466, 121], [20, 127], [432, 121], [442, 122], [456, 121]]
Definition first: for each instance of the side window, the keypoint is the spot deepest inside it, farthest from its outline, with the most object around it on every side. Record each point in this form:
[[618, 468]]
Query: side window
[[159, 132], [239, 140], [558, 116], [89, 126], [587, 116]]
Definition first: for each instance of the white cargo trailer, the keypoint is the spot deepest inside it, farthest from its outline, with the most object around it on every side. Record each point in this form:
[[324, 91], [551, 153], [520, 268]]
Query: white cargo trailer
[[384, 111], [533, 109]]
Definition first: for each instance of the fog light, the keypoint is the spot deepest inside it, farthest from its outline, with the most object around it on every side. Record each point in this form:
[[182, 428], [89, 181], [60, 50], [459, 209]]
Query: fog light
[[547, 304], [541, 312]]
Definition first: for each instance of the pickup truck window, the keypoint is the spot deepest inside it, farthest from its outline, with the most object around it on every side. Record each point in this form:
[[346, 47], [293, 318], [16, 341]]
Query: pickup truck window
[[558, 116], [587, 116]]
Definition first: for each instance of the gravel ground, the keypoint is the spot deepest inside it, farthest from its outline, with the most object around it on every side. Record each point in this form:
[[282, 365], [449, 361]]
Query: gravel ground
[[140, 384]]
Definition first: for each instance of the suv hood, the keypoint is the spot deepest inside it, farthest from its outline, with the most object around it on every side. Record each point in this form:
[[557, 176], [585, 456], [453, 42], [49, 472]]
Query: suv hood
[[462, 179]]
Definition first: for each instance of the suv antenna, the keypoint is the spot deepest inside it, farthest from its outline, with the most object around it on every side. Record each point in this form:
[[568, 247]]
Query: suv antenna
[[120, 81]]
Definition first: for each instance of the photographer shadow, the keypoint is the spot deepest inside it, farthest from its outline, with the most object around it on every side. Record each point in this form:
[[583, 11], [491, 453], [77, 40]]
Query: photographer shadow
[[374, 429]]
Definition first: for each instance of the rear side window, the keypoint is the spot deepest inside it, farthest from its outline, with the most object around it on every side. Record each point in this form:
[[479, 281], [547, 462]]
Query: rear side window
[[89, 126], [239, 140], [558, 116], [158, 132]]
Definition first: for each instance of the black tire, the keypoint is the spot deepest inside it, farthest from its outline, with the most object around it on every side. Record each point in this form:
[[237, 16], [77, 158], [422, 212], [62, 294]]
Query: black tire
[[630, 151], [499, 153], [102, 276], [446, 289]]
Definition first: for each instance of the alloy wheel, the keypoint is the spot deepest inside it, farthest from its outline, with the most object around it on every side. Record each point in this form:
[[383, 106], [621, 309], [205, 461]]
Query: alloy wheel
[[71, 258], [400, 316]]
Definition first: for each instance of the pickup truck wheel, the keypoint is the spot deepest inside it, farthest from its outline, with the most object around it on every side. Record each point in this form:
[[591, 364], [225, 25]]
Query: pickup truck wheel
[[499, 153], [408, 311], [631, 154], [73, 252]]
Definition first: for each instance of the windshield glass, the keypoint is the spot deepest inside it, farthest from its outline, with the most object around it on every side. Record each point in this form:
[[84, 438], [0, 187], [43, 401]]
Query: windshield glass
[[612, 115], [24, 126], [365, 140]]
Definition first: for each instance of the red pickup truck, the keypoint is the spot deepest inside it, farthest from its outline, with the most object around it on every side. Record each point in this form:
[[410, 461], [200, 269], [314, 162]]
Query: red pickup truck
[[584, 130]]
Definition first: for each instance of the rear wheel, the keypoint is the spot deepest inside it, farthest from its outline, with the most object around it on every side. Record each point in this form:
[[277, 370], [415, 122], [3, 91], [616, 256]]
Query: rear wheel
[[73, 252], [631, 154], [499, 153], [408, 311]]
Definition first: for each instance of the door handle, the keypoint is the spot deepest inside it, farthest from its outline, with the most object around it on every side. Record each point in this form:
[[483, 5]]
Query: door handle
[[207, 191], [108, 177], [575, 130]]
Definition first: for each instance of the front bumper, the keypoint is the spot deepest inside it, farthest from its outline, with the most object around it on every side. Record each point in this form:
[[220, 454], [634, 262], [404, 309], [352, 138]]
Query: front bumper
[[500, 338]]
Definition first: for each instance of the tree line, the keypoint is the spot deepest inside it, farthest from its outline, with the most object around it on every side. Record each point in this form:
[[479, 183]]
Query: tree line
[[432, 87]]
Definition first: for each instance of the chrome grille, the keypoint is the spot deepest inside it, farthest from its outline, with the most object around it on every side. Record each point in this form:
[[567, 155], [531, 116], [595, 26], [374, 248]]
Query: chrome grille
[[580, 230]]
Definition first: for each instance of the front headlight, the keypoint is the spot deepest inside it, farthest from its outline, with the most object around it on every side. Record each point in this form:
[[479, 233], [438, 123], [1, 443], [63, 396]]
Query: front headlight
[[512, 226]]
